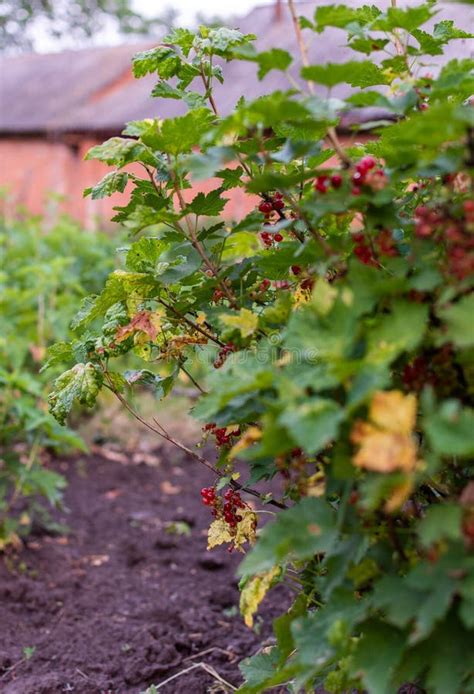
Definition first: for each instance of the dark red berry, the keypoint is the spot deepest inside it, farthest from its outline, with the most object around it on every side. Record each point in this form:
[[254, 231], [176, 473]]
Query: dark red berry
[[296, 270], [278, 237], [336, 181], [278, 204], [321, 184], [265, 207]]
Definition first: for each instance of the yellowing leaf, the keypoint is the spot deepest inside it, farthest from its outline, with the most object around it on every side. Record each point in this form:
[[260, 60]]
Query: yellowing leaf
[[145, 322], [384, 451], [316, 484], [218, 533], [246, 321], [253, 593], [246, 530], [386, 442], [252, 435], [399, 495], [393, 411], [300, 297], [200, 318]]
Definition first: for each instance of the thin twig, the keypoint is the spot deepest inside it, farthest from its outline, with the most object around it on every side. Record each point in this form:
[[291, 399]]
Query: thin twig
[[204, 666], [159, 430], [191, 323], [331, 133]]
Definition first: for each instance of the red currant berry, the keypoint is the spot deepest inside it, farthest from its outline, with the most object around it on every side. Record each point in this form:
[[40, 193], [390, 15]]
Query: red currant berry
[[356, 190], [367, 163], [336, 181], [265, 207], [278, 237], [321, 184]]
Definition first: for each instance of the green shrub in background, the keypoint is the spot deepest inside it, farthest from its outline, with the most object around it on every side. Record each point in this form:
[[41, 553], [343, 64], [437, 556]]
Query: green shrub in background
[[341, 315], [44, 273]]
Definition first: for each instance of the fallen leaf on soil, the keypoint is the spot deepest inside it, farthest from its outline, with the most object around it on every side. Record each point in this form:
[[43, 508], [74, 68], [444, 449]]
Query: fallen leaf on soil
[[169, 488]]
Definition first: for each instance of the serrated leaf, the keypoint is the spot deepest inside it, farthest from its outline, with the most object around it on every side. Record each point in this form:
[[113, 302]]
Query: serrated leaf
[[459, 322], [120, 151], [450, 429], [254, 591], [148, 61], [341, 16], [114, 182], [313, 424], [356, 73], [442, 522], [298, 533], [245, 321], [82, 383], [210, 205], [377, 670]]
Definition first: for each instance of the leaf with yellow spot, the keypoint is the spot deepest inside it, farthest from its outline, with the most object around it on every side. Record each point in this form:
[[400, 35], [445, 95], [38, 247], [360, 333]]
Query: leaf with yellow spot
[[301, 297], [254, 591], [200, 318], [246, 321], [252, 435]]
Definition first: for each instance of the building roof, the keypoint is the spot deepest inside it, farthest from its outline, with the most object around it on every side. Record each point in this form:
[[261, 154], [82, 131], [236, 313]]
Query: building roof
[[93, 91]]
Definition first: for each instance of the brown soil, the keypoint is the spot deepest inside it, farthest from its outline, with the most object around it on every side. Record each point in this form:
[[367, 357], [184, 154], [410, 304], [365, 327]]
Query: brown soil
[[120, 603]]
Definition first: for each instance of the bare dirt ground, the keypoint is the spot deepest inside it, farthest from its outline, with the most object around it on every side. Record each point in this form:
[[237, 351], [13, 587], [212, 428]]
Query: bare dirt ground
[[121, 602]]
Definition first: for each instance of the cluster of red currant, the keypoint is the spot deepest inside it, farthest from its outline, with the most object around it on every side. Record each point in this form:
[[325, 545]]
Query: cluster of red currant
[[269, 239], [223, 438], [366, 174], [322, 182], [227, 508], [415, 374], [233, 502], [456, 233], [383, 245], [273, 204], [217, 295], [223, 354]]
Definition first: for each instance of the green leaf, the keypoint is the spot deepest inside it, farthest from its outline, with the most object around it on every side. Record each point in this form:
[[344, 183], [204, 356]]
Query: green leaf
[[313, 424], [210, 205], [362, 73], [120, 151], [409, 18], [450, 428], [274, 59], [341, 16], [298, 533], [111, 183], [82, 383], [59, 353], [245, 321], [145, 62], [396, 332], [182, 134], [459, 322], [375, 664], [442, 522]]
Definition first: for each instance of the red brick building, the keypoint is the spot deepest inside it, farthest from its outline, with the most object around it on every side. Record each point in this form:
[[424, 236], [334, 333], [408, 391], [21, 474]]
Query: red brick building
[[54, 107]]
